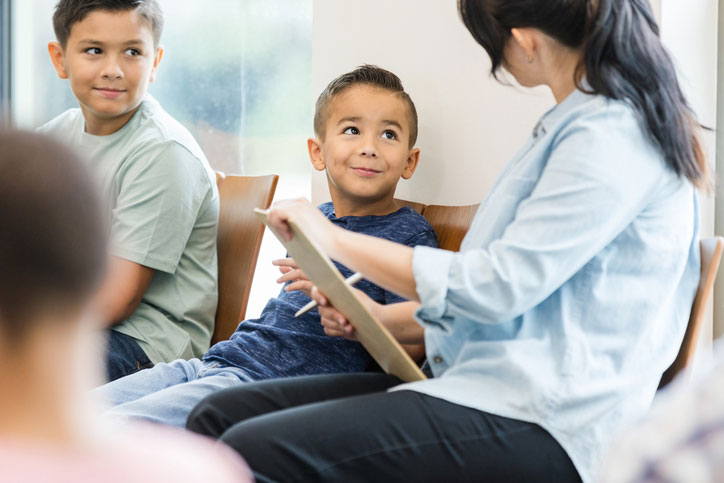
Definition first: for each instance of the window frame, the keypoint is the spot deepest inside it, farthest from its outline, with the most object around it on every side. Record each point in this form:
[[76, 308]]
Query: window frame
[[5, 49]]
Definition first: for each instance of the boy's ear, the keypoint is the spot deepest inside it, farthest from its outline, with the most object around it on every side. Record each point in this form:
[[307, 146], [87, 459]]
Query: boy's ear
[[314, 146], [156, 60], [411, 165], [58, 59]]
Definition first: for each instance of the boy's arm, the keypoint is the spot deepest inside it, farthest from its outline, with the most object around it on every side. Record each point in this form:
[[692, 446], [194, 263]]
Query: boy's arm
[[123, 288]]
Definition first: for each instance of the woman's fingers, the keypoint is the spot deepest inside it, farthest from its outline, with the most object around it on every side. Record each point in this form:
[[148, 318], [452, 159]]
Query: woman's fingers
[[335, 323], [282, 211], [318, 297]]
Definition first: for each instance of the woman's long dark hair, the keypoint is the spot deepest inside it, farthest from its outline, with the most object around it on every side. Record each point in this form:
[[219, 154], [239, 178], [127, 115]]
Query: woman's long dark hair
[[623, 58]]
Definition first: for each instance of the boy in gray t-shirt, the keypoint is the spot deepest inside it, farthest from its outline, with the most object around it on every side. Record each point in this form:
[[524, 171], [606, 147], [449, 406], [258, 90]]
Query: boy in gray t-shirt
[[161, 291]]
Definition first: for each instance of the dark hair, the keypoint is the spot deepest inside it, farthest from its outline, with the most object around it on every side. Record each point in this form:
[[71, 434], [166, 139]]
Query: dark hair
[[69, 12], [53, 238], [623, 59], [370, 75]]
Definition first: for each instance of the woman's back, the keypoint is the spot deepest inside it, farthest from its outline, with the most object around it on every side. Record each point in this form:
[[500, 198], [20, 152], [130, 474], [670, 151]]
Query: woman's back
[[550, 306]]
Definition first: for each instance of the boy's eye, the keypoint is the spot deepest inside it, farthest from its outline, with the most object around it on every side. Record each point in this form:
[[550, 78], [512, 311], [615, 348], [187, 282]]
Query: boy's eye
[[93, 51], [351, 130], [132, 52], [388, 134]]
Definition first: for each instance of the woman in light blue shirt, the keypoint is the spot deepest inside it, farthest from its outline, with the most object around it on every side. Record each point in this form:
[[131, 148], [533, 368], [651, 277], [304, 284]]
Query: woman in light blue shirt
[[549, 331]]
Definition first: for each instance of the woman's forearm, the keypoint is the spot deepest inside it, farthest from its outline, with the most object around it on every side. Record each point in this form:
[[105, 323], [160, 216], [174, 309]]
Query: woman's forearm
[[382, 262], [399, 319]]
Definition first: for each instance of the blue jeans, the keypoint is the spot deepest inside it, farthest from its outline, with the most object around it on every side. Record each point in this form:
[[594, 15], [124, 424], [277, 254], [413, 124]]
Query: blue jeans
[[167, 393], [125, 356]]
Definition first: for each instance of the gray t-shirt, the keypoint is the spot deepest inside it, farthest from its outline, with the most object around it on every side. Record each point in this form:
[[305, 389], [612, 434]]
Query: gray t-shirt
[[164, 209]]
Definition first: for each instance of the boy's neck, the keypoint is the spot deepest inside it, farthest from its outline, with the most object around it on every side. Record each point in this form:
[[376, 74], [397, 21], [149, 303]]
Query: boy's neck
[[346, 207], [105, 127]]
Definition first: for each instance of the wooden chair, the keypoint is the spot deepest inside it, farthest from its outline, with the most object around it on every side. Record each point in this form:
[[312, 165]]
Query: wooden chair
[[450, 223], [711, 252], [238, 243]]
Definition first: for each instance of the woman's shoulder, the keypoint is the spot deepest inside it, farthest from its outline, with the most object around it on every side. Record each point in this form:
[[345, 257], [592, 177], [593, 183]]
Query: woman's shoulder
[[606, 114], [602, 126]]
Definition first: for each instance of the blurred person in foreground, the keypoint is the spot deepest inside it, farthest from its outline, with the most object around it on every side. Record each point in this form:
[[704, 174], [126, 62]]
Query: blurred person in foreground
[[53, 248]]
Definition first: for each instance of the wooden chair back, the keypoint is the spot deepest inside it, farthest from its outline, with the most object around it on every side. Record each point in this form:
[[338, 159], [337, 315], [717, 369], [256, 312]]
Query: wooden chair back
[[238, 243], [711, 253], [450, 223]]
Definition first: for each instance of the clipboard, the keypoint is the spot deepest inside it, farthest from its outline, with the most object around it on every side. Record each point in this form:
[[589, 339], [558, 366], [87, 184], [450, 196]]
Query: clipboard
[[374, 336]]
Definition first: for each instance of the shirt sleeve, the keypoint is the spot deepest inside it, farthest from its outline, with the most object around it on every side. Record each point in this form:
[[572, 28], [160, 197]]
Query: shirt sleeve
[[161, 190], [595, 182], [426, 238]]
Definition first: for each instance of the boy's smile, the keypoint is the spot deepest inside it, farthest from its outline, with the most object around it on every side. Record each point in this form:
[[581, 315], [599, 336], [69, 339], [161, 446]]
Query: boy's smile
[[110, 59], [365, 150]]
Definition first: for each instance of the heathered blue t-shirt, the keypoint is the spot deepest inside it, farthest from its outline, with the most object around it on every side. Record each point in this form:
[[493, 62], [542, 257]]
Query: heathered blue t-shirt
[[279, 345]]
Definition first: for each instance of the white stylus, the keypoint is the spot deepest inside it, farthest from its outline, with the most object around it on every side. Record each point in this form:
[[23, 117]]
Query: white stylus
[[351, 280]]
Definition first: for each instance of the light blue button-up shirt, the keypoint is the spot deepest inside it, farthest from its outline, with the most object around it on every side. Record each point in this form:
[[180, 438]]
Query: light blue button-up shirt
[[573, 287]]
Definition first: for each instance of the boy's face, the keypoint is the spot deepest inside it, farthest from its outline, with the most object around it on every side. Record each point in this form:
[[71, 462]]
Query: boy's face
[[110, 59], [365, 149]]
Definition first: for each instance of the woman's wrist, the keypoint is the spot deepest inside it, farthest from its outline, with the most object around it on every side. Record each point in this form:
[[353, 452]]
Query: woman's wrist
[[336, 242]]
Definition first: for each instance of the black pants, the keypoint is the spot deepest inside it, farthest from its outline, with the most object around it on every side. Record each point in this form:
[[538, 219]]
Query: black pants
[[345, 428]]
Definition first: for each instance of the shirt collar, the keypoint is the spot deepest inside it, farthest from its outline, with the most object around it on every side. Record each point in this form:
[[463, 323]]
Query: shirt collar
[[555, 114]]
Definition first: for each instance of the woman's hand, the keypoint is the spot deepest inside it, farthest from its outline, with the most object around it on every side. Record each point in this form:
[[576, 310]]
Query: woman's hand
[[301, 212], [334, 322], [292, 273]]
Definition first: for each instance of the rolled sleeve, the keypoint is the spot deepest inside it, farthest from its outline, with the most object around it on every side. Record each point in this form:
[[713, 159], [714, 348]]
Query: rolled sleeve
[[157, 206], [430, 268], [589, 191]]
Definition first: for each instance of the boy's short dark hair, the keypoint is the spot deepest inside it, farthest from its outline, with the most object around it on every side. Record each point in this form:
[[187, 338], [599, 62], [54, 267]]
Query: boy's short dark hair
[[69, 12], [53, 236], [370, 75]]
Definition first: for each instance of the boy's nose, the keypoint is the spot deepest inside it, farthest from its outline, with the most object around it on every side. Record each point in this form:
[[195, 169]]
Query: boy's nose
[[368, 152], [111, 70], [368, 148]]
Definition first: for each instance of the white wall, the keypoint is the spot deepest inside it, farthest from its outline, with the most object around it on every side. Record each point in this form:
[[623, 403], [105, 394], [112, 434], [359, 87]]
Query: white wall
[[469, 124], [689, 31], [696, 61]]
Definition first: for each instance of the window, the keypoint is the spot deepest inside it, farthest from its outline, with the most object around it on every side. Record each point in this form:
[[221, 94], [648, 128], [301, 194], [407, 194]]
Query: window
[[237, 74], [4, 60]]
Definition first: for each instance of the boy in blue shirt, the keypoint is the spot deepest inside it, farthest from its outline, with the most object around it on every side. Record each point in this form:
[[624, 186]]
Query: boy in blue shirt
[[160, 294], [366, 127]]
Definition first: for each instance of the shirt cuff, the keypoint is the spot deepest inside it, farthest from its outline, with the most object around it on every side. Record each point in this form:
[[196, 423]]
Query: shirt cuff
[[430, 268], [145, 259]]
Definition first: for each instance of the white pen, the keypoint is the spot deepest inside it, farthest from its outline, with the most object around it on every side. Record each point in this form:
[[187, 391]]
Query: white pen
[[351, 280]]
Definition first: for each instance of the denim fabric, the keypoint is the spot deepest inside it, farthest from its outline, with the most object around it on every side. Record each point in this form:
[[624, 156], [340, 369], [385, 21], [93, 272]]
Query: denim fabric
[[167, 393], [125, 356], [573, 286]]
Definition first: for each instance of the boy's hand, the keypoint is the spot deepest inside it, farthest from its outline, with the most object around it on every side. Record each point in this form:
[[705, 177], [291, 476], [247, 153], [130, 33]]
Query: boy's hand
[[290, 272]]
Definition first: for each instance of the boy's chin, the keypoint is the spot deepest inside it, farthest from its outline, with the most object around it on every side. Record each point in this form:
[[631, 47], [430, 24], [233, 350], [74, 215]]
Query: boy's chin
[[109, 114]]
